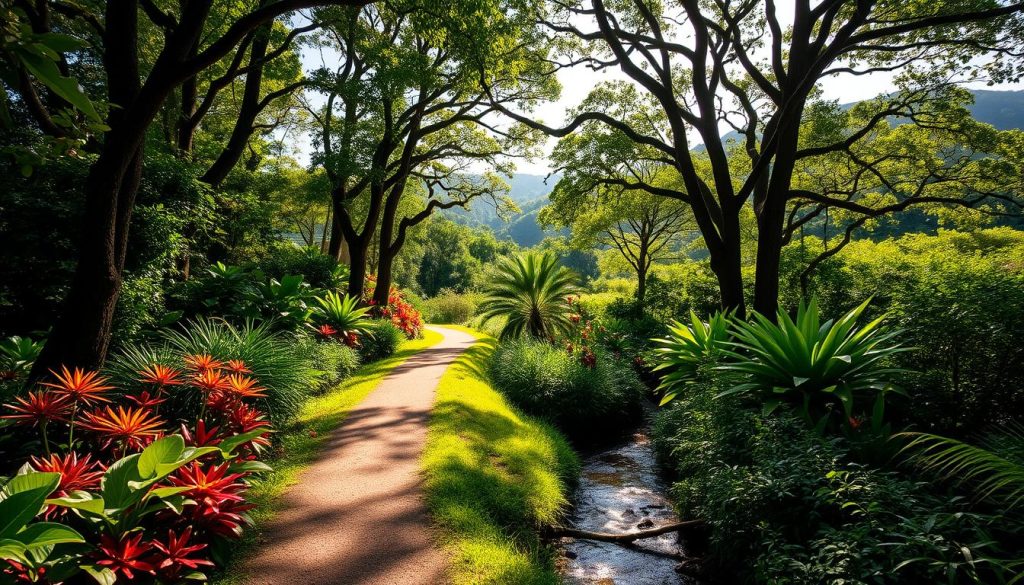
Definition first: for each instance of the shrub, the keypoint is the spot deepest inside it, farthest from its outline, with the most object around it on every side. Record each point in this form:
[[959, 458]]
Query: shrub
[[821, 368], [332, 360], [688, 348], [273, 358], [382, 340], [341, 318], [399, 310], [318, 269], [797, 509], [548, 381], [531, 292], [451, 307]]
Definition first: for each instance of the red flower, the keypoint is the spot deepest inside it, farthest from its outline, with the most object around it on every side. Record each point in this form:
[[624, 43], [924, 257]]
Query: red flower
[[238, 367], [855, 423], [202, 362], [160, 375], [352, 339], [574, 318], [210, 487], [80, 385], [23, 573], [589, 359], [327, 331], [125, 555], [38, 407], [203, 437], [75, 474], [145, 400], [173, 556], [133, 428], [209, 381], [244, 387], [224, 520]]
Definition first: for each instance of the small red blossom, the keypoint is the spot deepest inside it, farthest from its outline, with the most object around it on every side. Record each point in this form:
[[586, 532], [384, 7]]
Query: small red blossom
[[574, 318], [75, 474], [80, 385], [160, 375], [202, 437], [145, 400], [855, 423], [212, 486], [38, 408], [23, 573], [125, 556], [327, 331], [174, 555]]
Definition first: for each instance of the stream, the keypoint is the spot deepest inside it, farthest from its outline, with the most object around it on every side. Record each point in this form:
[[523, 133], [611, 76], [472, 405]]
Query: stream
[[620, 491]]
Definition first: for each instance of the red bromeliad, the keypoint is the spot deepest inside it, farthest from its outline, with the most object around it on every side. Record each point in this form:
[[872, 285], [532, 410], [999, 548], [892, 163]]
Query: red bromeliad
[[80, 385], [75, 474], [202, 437], [174, 555], [145, 400], [133, 428], [38, 408], [125, 556], [326, 331], [212, 486]]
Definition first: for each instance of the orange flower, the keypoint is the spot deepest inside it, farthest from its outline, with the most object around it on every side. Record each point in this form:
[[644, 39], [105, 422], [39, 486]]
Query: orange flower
[[244, 386], [238, 367], [38, 407], [209, 381], [132, 428], [202, 362], [160, 375], [80, 385]]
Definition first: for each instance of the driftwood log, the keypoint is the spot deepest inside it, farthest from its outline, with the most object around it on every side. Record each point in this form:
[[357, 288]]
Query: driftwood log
[[626, 537]]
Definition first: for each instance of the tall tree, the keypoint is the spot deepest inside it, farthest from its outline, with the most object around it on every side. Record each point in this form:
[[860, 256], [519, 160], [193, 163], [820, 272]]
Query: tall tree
[[752, 67], [136, 95]]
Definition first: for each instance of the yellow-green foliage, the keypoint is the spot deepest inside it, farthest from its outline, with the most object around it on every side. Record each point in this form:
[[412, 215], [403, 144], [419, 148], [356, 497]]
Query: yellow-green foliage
[[303, 439], [595, 304], [492, 476]]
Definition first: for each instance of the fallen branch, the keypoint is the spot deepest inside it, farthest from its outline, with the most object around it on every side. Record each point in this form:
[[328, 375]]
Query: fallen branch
[[626, 537]]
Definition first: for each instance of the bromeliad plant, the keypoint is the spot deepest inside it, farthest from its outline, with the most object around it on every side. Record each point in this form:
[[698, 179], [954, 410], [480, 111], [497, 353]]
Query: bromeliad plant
[[343, 317], [142, 505], [687, 348], [824, 369], [399, 310]]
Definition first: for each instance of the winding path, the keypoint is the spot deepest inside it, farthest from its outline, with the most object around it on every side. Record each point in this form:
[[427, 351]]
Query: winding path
[[357, 516]]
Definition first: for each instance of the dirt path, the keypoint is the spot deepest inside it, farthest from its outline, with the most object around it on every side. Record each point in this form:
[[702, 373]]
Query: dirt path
[[356, 516]]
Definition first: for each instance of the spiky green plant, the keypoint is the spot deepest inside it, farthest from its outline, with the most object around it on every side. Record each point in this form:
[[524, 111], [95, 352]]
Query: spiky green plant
[[531, 291], [687, 348], [993, 470], [343, 313], [815, 365]]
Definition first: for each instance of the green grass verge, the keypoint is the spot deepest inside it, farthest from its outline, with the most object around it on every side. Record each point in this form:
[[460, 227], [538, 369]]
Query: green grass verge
[[492, 476], [301, 441]]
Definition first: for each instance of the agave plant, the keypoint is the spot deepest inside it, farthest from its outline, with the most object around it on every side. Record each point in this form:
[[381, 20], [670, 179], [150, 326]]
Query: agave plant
[[530, 291], [282, 302], [816, 365], [343, 314], [687, 348], [994, 469]]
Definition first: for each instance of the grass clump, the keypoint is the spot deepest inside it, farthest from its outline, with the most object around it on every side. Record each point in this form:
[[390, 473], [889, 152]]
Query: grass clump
[[302, 440], [451, 307], [382, 339], [493, 475]]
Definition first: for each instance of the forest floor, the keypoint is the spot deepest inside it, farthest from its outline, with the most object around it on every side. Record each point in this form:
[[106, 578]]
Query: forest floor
[[357, 514]]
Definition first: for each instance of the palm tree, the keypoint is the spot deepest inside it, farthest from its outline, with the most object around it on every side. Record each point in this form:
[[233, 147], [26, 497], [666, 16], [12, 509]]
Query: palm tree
[[531, 290]]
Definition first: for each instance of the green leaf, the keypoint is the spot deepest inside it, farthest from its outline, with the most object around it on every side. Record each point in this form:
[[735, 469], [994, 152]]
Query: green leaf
[[102, 575], [80, 500], [116, 484], [161, 452], [25, 497], [12, 549], [46, 71], [228, 445], [47, 534]]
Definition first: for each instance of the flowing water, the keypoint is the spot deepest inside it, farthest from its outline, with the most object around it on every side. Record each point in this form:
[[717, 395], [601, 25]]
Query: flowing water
[[620, 491]]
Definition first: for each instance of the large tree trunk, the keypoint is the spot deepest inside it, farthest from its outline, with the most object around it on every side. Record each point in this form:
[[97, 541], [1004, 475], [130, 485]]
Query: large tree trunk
[[727, 264], [357, 268]]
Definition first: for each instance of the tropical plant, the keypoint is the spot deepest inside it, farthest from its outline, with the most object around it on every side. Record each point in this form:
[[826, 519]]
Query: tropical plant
[[17, 354], [815, 365], [994, 470], [687, 348], [282, 302], [531, 291], [26, 543], [382, 340], [344, 315]]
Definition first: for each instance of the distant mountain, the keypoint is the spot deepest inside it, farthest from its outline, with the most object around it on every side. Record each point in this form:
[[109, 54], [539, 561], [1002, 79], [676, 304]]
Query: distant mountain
[[1002, 109]]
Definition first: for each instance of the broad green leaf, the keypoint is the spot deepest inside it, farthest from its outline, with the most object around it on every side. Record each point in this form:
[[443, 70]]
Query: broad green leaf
[[160, 452], [102, 575], [116, 485], [25, 501], [47, 534]]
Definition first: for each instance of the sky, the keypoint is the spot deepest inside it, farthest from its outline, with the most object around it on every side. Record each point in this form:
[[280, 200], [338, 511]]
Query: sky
[[577, 82]]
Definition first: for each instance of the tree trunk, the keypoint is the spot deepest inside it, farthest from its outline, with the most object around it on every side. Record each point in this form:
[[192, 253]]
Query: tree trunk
[[385, 263], [727, 264], [357, 268], [337, 240]]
